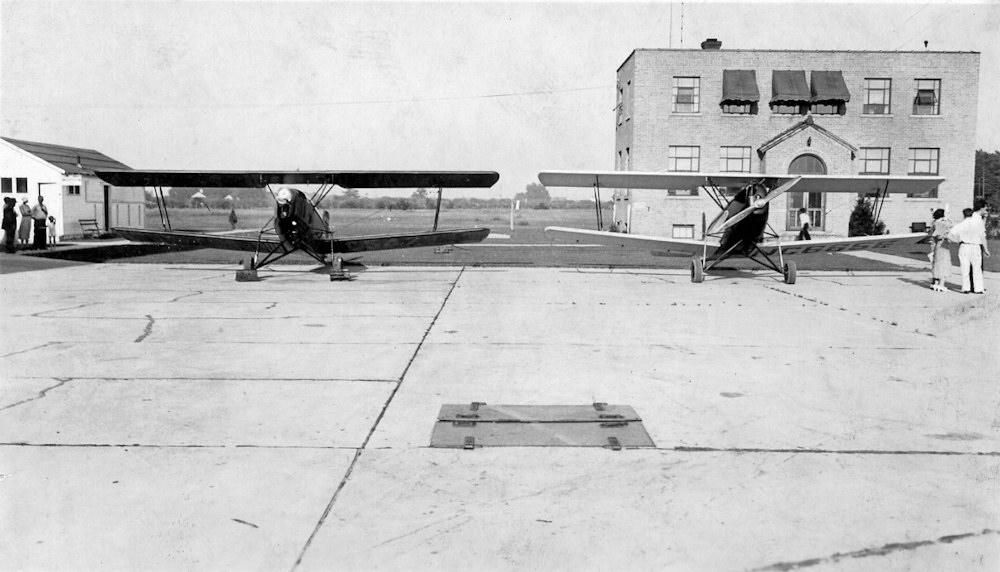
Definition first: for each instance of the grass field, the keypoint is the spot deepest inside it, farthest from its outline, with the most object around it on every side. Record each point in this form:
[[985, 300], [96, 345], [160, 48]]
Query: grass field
[[525, 245]]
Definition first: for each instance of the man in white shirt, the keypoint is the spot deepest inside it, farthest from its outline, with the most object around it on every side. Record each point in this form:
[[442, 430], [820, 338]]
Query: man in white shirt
[[970, 234], [804, 222]]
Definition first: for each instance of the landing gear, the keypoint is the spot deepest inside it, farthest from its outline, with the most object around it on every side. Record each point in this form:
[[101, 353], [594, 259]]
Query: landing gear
[[789, 272], [697, 271], [337, 271], [249, 272]]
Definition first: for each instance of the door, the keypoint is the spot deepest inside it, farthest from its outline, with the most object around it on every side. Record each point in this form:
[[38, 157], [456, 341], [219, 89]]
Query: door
[[814, 203]]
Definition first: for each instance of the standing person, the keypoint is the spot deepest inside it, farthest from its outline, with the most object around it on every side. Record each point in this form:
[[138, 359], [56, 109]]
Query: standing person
[[971, 236], [40, 215], [9, 224], [326, 220], [24, 231], [940, 255], [52, 230], [232, 218], [804, 221]]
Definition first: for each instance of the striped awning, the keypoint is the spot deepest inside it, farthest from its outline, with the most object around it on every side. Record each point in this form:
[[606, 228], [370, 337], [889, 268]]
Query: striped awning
[[828, 86], [740, 86], [789, 85]]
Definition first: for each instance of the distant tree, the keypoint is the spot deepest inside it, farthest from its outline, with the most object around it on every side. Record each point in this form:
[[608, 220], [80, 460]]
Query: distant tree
[[534, 195], [418, 199], [351, 194], [987, 185], [862, 221]]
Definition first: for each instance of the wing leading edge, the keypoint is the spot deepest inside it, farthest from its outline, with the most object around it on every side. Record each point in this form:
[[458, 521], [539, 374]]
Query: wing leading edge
[[259, 179], [673, 181], [335, 246]]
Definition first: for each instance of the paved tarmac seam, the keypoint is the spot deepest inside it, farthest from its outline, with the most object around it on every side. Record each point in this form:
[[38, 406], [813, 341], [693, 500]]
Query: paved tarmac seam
[[381, 415]]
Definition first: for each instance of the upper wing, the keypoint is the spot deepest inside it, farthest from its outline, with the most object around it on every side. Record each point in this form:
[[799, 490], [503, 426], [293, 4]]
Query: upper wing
[[346, 179], [656, 244], [834, 245], [336, 245], [808, 183]]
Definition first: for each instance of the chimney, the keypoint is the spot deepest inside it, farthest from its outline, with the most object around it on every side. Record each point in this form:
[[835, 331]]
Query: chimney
[[711, 44]]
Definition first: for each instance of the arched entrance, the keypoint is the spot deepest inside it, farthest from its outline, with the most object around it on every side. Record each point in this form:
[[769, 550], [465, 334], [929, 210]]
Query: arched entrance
[[814, 203]]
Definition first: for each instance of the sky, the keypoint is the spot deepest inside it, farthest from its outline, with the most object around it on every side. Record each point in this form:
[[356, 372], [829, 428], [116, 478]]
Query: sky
[[512, 87]]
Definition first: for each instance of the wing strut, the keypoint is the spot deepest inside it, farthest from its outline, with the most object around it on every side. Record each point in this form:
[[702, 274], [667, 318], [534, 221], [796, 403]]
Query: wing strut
[[161, 206], [437, 210], [597, 201]]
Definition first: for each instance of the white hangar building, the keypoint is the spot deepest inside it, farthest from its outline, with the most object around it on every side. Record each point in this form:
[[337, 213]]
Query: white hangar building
[[65, 177]]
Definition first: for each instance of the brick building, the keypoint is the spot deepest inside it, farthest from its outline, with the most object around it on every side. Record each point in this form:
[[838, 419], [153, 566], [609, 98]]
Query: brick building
[[768, 111]]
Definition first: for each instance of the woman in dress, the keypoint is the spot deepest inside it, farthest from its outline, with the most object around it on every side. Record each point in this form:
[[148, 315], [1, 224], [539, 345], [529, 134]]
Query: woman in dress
[[940, 255]]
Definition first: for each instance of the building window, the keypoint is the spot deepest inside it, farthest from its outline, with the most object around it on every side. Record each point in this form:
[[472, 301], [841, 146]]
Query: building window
[[72, 189], [22, 185], [878, 97], [924, 161], [928, 98], [682, 192], [734, 159], [786, 109], [739, 108], [874, 160], [683, 231], [827, 108], [683, 159], [6, 185], [687, 94]]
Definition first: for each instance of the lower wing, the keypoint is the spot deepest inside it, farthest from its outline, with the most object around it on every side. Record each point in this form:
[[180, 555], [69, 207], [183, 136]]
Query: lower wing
[[834, 245], [335, 245], [656, 244]]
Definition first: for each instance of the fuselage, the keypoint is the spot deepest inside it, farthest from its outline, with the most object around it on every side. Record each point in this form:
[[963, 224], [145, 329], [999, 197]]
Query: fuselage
[[296, 219], [743, 235]]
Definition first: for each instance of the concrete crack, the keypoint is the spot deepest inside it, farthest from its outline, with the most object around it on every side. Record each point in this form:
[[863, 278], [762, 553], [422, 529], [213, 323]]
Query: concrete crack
[[149, 329], [41, 394], [188, 295], [875, 551]]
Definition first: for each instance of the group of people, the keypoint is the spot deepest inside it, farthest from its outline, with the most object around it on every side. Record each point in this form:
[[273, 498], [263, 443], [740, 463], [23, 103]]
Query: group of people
[[36, 218], [970, 235]]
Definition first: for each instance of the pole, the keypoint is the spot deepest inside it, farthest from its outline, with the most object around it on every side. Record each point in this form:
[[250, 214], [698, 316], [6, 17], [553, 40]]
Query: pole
[[512, 215]]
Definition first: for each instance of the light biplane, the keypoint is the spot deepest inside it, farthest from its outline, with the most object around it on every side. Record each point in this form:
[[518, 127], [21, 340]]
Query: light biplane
[[296, 224], [741, 228]]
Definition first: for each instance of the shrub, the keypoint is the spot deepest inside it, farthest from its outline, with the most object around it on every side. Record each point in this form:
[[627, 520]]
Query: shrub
[[862, 221]]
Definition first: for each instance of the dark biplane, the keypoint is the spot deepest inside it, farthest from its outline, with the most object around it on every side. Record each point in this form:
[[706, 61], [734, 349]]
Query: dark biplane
[[741, 228], [296, 224]]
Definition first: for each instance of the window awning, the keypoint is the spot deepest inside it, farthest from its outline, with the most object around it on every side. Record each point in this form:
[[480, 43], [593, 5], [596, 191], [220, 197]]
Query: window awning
[[925, 97], [828, 86], [789, 86], [740, 86]]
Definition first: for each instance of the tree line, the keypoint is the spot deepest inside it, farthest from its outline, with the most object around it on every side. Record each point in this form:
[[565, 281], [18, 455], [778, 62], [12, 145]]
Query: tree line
[[535, 196]]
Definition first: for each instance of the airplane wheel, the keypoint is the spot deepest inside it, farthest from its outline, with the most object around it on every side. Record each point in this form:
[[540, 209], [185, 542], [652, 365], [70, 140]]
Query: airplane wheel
[[789, 272], [697, 271]]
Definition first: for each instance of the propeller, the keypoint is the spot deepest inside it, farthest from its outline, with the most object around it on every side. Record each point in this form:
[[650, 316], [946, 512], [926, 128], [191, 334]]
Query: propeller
[[757, 204]]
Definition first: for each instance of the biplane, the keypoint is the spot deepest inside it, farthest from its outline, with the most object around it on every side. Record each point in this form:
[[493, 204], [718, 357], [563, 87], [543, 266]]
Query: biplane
[[741, 228], [297, 225]]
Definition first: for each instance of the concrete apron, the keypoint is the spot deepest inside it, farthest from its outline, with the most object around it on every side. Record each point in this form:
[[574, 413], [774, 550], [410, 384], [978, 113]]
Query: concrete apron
[[167, 417]]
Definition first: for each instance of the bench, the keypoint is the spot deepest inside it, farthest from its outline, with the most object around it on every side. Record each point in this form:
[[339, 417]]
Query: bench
[[90, 225]]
